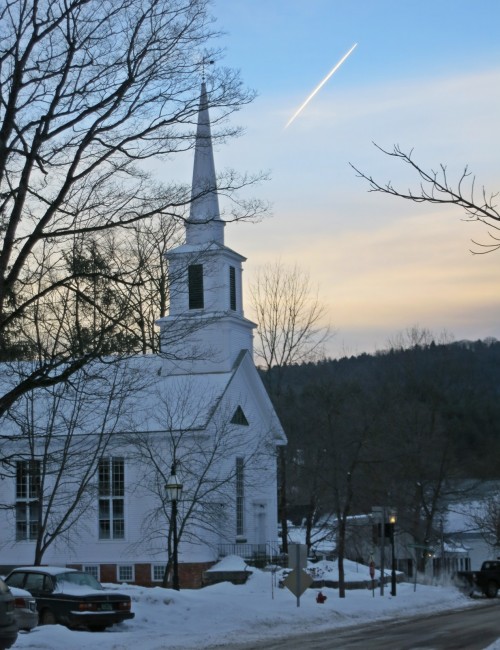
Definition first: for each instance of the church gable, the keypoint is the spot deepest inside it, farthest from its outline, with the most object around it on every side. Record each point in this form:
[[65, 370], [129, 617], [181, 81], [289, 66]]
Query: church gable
[[247, 391]]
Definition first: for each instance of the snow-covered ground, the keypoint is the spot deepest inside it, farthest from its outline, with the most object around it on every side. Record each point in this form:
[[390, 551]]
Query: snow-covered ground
[[226, 614]]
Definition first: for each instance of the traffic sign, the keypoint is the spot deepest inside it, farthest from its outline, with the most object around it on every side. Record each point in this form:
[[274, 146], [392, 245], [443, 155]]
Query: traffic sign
[[297, 581], [297, 556]]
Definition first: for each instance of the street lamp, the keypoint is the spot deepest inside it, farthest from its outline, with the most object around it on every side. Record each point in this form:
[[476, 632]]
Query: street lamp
[[392, 524], [174, 491]]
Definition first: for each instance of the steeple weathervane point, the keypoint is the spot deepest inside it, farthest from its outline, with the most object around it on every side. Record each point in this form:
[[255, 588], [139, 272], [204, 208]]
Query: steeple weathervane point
[[205, 62]]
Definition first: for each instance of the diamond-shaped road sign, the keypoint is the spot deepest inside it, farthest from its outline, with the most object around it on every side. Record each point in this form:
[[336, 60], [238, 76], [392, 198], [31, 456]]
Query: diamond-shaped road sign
[[298, 581]]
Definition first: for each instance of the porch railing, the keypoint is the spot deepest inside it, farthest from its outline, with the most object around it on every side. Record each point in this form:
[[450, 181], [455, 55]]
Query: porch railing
[[252, 553]]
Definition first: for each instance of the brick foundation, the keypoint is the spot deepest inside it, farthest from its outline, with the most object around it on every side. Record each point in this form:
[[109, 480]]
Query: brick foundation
[[190, 575]]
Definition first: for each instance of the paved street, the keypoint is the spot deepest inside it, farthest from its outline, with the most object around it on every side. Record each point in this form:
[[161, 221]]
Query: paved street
[[469, 629]]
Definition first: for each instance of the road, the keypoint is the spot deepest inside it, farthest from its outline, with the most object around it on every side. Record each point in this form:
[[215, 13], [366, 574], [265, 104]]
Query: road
[[474, 628]]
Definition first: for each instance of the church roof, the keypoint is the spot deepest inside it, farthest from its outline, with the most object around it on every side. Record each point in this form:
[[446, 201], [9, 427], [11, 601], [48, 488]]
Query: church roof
[[205, 248], [177, 402], [146, 398]]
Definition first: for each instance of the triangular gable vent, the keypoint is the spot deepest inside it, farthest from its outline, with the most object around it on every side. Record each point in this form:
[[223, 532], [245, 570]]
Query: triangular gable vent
[[239, 417]]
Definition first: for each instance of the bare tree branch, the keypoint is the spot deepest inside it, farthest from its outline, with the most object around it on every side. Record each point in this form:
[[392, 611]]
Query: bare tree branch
[[435, 187], [89, 91], [289, 317]]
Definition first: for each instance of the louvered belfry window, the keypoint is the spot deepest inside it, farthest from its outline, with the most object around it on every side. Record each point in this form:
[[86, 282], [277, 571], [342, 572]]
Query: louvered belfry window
[[232, 288], [195, 284]]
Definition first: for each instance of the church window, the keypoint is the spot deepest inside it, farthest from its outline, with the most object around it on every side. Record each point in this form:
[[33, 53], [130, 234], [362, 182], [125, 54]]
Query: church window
[[158, 572], [93, 569], [125, 573], [195, 283], [240, 496], [239, 417], [27, 499], [111, 498], [232, 288]]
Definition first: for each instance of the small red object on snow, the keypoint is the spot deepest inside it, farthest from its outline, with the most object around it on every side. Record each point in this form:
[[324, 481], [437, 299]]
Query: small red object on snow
[[320, 598], [372, 569]]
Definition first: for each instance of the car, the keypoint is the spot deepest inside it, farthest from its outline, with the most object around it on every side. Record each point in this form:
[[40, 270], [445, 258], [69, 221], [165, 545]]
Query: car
[[8, 626], [25, 611], [71, 598]]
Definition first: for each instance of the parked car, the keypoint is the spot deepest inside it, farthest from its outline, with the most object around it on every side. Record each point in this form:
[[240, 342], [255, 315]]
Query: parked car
[[8, 626], [25, 611], [70, 597]]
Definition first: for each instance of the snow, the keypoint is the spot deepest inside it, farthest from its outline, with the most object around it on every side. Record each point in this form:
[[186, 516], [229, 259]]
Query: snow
[[230, 563], [255, 611], [20, 593], [51, 570], [78, 590]]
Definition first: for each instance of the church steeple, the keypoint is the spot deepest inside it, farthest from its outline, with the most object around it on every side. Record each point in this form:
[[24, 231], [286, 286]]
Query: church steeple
[[204, 224], [205, 330]]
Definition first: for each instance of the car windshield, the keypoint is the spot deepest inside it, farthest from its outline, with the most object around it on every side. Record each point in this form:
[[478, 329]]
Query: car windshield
[[78, 578]]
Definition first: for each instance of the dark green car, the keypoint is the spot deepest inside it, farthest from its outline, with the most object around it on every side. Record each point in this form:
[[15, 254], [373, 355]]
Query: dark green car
[[72, 598], [8, 626]]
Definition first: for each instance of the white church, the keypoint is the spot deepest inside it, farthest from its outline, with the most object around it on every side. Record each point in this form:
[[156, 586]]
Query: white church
[[84, 485]]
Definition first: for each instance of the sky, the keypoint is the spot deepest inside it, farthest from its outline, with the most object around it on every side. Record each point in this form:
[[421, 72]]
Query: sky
[[254, 612], [425, 75]]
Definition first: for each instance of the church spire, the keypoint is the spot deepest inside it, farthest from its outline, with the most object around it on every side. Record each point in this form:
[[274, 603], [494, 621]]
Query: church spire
[[204, 224], [205, 330]]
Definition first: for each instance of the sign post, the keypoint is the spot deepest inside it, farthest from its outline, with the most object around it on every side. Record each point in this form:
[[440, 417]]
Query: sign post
[[372, 574], [297, 580], [425, 549]]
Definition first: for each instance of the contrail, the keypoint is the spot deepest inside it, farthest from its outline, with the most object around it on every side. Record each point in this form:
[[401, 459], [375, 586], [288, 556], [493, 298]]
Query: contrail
[[319, 86]]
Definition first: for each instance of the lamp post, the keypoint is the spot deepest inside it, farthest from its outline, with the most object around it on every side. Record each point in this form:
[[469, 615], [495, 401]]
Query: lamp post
[[392, 524], [174, 491], [379, 518]]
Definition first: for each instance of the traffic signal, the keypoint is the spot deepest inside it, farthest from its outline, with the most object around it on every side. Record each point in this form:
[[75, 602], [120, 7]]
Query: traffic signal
[[388, 531]]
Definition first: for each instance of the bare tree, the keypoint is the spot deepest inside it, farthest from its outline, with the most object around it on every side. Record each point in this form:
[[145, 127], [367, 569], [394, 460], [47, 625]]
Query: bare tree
[[342, 429], [435, 187], [417, 468], [290, 317], [483, 515], [151, 294], [89, 89], [59, 435], [416, 337], [204, 460], [290, 329]]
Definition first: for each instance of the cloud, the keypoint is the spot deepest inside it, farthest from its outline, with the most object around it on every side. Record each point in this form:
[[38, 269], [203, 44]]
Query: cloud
[[381, 280], [382, 263]]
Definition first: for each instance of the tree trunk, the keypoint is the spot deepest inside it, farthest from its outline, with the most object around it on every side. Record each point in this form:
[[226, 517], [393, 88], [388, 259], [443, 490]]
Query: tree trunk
[[283, 504], [341, 554]]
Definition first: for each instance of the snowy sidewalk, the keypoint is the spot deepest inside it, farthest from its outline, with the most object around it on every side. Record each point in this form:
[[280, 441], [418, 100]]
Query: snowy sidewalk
[[225, 614]]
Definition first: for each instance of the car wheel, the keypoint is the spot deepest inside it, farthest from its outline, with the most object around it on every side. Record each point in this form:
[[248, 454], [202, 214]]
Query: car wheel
[[491, 589], [97, 628], [47, 617]]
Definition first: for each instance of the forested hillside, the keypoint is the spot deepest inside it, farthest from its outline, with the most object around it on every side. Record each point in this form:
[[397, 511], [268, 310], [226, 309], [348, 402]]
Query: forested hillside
[[400, 427]]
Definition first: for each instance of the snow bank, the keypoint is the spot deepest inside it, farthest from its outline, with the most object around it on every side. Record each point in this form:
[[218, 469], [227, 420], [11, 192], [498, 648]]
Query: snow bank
[[256, 611]]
